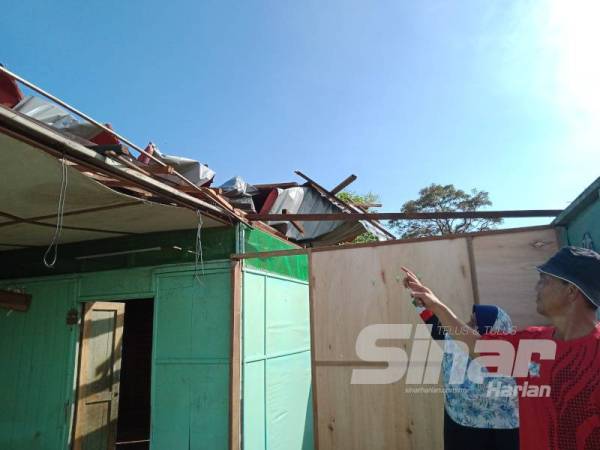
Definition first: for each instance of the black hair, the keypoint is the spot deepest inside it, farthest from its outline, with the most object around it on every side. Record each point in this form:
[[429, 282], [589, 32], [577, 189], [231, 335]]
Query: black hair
[[590, 303]]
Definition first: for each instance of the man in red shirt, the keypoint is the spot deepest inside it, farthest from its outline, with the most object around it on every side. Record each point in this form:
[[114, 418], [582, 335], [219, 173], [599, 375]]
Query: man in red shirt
[[567, 415]]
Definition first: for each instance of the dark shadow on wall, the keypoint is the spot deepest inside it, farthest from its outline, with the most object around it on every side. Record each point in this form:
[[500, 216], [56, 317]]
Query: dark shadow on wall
[[133, 420], [133, 427], [308, 440]]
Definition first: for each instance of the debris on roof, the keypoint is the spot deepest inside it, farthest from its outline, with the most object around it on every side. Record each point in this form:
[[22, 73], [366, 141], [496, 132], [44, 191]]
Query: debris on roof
[[10, 93], [239, 193], [157, 177], [198, 173]]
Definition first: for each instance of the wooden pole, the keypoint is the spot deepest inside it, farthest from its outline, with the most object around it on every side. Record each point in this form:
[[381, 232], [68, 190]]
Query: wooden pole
[[353, 217], [338, 201], [343, 184]]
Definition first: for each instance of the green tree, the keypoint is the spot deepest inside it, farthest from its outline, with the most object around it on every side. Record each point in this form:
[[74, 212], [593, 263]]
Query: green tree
[[365, 201], [440, 198]]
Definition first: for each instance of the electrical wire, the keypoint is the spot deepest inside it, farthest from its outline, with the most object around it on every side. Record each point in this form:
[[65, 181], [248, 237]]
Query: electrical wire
[[51, 253]]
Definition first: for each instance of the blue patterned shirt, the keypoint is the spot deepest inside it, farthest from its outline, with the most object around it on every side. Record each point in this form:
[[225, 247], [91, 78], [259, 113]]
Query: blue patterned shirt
[[467, 403]]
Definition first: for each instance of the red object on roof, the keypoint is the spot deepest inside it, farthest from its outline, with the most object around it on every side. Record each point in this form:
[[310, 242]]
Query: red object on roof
[[269, 201], [105, 138], [143, 158], [10, 94]]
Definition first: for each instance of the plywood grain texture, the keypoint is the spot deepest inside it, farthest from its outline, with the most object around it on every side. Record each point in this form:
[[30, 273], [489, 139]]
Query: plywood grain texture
[[506, 274], [363, 286], [352, 289], [361, 417]]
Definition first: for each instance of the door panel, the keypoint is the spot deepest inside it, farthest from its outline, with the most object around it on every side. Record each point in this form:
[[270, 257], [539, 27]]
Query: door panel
[[99, 370]]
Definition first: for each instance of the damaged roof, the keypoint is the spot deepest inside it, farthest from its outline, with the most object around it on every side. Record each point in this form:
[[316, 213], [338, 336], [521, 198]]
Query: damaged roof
[[109, 192]]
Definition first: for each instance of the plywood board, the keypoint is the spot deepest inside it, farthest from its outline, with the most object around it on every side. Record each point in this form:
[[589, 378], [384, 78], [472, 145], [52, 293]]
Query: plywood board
[[506, 275], [363, 286], [354, 288], [358, 286], [375, 417]]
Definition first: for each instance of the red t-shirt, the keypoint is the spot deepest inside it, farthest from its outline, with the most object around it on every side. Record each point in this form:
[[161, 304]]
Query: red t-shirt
[[569, 418]]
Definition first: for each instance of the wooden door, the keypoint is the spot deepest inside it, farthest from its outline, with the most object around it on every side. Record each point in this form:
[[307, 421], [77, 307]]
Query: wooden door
[[99, 370]]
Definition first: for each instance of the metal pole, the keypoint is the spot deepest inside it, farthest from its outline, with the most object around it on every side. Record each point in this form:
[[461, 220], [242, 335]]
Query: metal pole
[[89, 119]]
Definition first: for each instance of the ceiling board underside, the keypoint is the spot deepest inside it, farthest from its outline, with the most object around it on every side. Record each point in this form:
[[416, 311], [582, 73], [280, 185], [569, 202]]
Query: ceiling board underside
[[31, 182]]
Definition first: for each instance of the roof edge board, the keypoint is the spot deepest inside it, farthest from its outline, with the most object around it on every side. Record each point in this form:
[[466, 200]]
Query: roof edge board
[[31, 130], [305, 250], [583, 200]]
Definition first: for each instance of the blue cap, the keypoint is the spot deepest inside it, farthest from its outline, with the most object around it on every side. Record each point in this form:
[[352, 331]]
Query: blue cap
[[578, 266]]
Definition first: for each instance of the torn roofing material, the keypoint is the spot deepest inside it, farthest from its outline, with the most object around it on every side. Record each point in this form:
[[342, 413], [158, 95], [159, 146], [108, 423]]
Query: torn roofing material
[[92, 211], [101, 154], [111, 170], [305, 199]]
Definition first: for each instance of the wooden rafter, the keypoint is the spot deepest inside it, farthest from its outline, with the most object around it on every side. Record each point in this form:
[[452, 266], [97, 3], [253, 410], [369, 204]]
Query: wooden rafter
[[338, 201], [354, 217], [15, 220], [344, 184]]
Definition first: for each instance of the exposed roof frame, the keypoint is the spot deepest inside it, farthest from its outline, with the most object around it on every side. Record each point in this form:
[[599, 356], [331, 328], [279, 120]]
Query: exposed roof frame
[[333, 198], [17, 220], [207, 193], [69, 213], [306, 251], [46, 139]]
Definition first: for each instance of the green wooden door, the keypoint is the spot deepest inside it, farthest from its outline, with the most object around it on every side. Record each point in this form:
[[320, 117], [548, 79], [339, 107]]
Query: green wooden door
[[191, 362]]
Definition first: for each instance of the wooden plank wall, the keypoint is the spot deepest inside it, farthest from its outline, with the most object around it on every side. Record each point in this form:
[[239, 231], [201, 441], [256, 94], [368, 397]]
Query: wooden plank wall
[[506, 275], [362, 286], [37, 364], [353, 287]]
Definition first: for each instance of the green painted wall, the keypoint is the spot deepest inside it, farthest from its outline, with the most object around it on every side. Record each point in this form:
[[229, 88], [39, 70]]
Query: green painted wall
[[169, 247], [190, 401], [190, 372], [259, 241], [37, 354], [191, 355], [156, 249], [277, 403], [584, 228]]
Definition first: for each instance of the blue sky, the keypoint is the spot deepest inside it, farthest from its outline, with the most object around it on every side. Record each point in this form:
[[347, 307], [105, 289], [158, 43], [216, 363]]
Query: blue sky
[[501, 96]]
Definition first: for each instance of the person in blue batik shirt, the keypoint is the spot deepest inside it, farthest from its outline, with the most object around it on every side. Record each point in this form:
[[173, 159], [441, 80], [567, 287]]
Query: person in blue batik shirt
[[472, 419]]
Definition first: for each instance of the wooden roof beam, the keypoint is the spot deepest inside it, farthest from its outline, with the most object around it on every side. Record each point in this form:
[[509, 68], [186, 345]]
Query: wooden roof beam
[[333, 198], [353, 217], [344, 184]]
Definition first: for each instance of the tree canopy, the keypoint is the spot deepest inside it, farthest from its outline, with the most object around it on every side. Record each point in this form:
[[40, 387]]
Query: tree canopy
[[366, 201], [444, 198]]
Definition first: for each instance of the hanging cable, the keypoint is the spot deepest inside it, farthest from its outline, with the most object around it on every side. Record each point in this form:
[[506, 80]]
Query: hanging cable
[[51, 253]]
